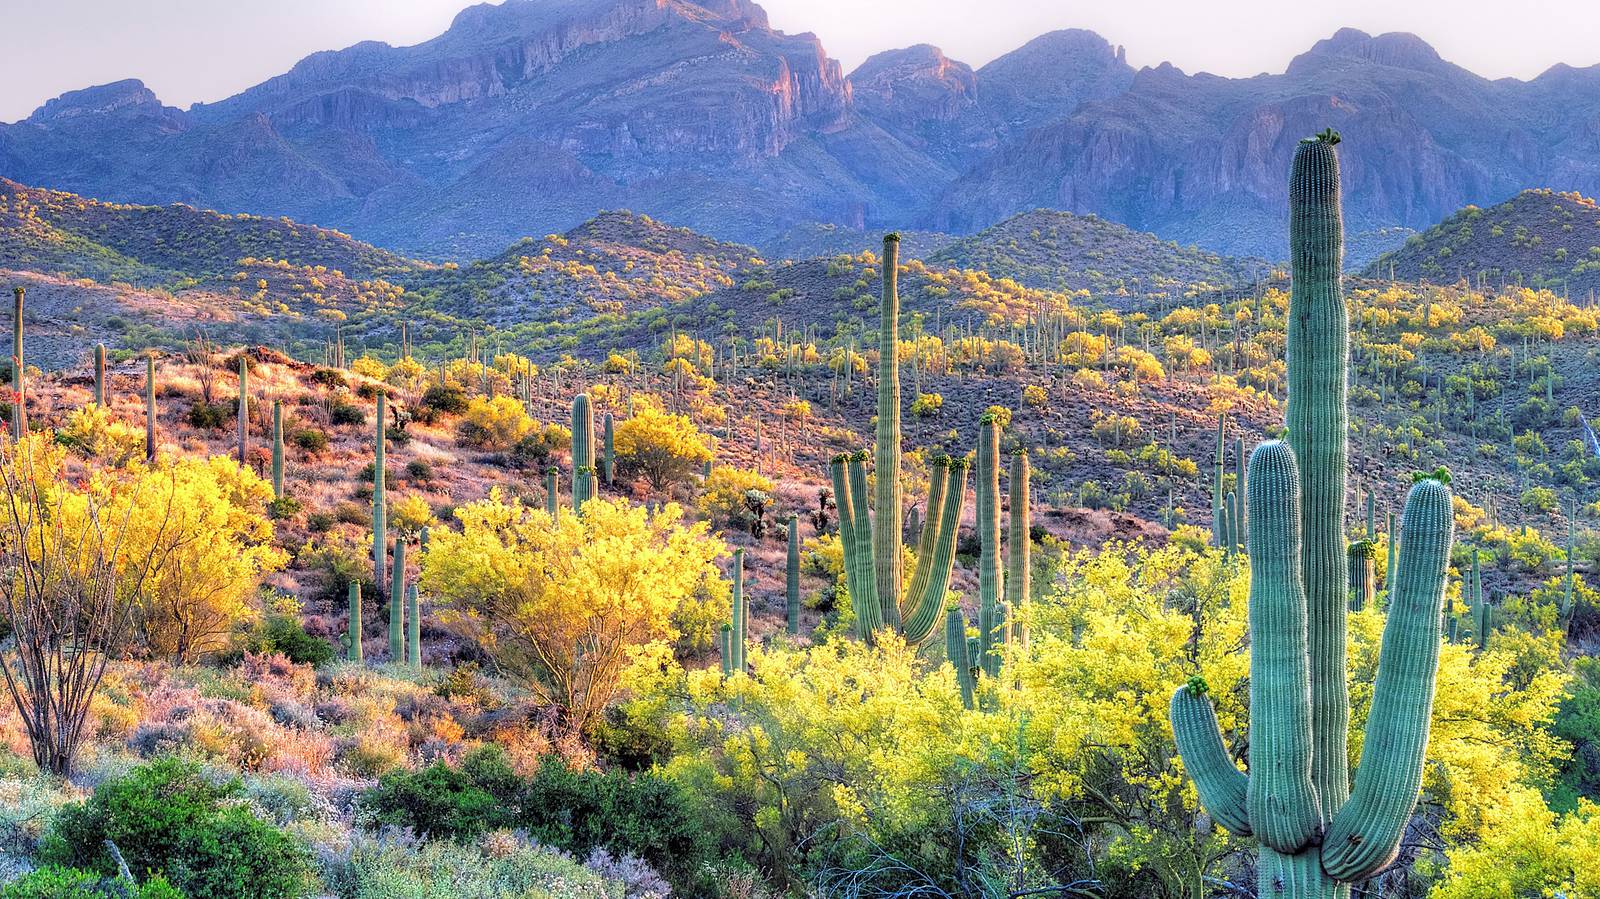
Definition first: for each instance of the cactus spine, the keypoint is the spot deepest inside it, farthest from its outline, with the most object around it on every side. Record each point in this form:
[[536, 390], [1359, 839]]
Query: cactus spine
[[1019, 549], [1298, 786], [353, 626], [19, 413], [608, 456], [277, 449], [100, 375], [150, 408], [868, 552], [379, 511], [791, 592], [244, 406], [582, 451]]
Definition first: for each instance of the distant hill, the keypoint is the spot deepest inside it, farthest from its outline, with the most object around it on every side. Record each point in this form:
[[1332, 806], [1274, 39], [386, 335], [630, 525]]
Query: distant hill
[[1539, 238], [815, 239], [525, 117], [1069, 253]]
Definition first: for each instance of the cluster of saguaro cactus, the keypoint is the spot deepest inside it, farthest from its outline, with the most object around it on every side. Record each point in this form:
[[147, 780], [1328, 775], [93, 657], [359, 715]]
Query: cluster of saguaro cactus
[[872, 542], [1317, 835], [582, 451]]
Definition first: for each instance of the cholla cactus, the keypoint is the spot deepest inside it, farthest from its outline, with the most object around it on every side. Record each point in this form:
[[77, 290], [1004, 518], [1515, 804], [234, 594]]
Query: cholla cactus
[[1317, 836]]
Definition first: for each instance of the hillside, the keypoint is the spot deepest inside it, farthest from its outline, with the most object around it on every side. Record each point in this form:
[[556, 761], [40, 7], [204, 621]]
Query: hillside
[[1539, 238], [526, 117], [1071, 253]]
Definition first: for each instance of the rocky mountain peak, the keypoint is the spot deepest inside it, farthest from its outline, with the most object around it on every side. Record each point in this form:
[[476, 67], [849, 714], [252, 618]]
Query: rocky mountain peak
[[1396, 49], [118, 98], [919, 77]]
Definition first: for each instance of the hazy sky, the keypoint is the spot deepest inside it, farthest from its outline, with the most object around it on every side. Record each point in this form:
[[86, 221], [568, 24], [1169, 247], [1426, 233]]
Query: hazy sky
[[196, 50]]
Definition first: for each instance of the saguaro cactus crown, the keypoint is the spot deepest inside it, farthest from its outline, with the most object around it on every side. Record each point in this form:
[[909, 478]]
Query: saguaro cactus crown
[[1316, 837], [872, 542]]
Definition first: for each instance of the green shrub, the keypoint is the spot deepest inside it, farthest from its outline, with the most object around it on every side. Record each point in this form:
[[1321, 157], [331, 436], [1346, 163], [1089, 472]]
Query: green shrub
[[285, 634], [210, 416], [347, 414], [312, 441], [56, 882], [392, 866], [444, 802], [168, 819], [449, 399]]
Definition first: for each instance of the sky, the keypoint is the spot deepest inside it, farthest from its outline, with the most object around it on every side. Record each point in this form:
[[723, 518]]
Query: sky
[[191, 51]]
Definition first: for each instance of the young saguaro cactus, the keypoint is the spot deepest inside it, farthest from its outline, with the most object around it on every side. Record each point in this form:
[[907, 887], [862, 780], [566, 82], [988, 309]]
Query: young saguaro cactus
[[244, 407], [353, 627], [1019, 548], [1317, 837], [150, 408], [608, 451], [736, 635], [791, 593], [397, 605], [379, 511], [100, 375], [872, 542], [277, 449], [19, 414]]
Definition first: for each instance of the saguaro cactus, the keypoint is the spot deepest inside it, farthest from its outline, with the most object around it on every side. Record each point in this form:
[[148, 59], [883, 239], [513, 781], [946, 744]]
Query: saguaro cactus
[[353, 626], [379, 512], [1019, 549], [277, 449], [1316, 836], [736, 636], [150, 408], [608, 452], [397, 605], [413, 628], [872, 542], [19, 414], [992, 630], [100, 375], [955, 648], [244, 406], [1363, 574], [791, 592], [582, 451]]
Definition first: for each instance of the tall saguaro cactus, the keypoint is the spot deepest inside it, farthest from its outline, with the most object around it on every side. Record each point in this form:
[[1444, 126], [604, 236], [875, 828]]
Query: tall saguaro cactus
[[1317, 836], [992, 631], [100, 375], [738, 616], [150, 408], [19, 413], [1019, 548], [379, 512], [791, 592], [244, 406], [582, 451], [397, 605], [608, 451], [872, 543]]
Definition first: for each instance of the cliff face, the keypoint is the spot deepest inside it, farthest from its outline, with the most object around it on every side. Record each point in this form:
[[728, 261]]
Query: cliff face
[[525, 117]]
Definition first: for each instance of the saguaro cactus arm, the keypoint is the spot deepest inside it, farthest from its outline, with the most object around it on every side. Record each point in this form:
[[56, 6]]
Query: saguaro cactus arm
[[1365, 834], [1284, 809], [931, 580], [1220, 783]]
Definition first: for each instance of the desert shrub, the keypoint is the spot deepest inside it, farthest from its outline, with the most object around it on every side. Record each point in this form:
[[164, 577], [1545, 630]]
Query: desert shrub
[[284, 633], [449, 399], [56, 882], [328, 377], [496, 424], [342, 413], [167, 818], [310, 440], [419, 470], [92, 432], [395, 865], [447, 802], [209, 416], [927, 404], [664, 448], [725, 490], [537, 446]]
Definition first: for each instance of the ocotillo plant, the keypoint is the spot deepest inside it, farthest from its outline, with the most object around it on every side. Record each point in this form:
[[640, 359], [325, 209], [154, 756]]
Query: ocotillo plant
[[379, 511], [150, 408], [19, 414], [791, 594], [992, 629], [244, 406], [872, 543], [397, 605], [1317, 836], [353, 627], [100, 375], [608, 452], [277, 449], [1019, 549], [582, 451]]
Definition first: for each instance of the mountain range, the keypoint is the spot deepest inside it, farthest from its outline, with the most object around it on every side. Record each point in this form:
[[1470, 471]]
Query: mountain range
[[529, 116]]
